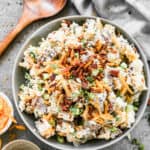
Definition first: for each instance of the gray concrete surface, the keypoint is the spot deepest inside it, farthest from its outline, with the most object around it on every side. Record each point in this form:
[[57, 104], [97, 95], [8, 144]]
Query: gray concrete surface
[[10, 11]]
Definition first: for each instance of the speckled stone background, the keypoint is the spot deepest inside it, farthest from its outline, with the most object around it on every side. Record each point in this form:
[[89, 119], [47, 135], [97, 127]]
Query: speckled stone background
[[10, 11]]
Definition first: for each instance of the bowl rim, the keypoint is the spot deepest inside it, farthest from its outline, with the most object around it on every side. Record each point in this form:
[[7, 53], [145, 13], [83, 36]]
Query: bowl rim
[[23, 141], [8, 101], [143, 57]]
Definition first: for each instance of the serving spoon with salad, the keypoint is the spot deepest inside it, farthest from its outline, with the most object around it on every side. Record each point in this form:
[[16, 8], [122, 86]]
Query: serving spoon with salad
[[32, 10]]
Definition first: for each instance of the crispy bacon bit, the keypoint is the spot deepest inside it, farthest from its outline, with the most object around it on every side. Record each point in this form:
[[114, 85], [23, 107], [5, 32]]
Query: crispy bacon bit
[[66, 104], [110, 107], [83, 52], [74, 73], [90, 110], [102, 57], [85, 85], [78, 49], [52, 77], [66, 72], [94, 66], [68, 22], [104, 47], [114, 73], [75, 62], [88, 64], [112, 50]]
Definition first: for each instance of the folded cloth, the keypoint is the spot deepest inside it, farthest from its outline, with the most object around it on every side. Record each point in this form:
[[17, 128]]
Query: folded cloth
[[122, 14]]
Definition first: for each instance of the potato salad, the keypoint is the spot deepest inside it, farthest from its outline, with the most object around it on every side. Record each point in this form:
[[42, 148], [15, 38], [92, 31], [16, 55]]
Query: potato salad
[[82, 82]]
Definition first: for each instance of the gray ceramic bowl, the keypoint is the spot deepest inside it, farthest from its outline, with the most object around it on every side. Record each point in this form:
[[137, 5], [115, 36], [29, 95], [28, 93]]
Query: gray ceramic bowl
[[18, 78], [20, 145]]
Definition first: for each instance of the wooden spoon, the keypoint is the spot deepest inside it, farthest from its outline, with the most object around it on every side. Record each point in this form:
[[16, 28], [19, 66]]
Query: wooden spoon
[[32, 10]]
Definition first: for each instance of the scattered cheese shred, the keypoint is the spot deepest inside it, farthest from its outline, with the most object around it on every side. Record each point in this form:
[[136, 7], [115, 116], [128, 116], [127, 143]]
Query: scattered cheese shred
[[1, 143], [20, 127]]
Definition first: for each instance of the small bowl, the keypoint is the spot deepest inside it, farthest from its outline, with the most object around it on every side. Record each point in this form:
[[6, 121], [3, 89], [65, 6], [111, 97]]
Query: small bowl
[[8, 101], [20, 145]]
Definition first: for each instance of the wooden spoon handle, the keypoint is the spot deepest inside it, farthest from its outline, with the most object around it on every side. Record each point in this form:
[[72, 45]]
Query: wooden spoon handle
[[23, 22]]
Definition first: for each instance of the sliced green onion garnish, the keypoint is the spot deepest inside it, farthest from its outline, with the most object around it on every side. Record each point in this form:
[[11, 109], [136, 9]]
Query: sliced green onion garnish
[[27, 76], [90, 79], [77, 55], [75, 110], [40, 88], [95, 72], [113, 129], [46, 96], [45, 76], [123, 65], [129, 108], [32, 55], [60, 139], [52, 122]]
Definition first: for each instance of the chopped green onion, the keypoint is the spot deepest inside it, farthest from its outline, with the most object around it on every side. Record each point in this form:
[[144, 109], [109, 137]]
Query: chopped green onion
[[72, 77], [101, 70], [60, 139], [114, 114], [40, 88], [135, 108], [75, 95], [74, 30], [91, 95], [87, 95], [27, 76], [95, 72], [118, 94], [32, 55], [90, 79], [57, 71], [75, 110], [123, 65], [129, 108], [106, 80], [41, 82], [117, 118], [83, 42], [135, 141], [141, 147], [45, 76], [138, 143], [46, 96], [113, 129], [52, 122], [22, 87], [77, 55], [136, 104]]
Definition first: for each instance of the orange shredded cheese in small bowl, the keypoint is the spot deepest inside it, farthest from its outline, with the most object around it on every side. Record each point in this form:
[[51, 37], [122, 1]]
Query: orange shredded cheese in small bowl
[[6, 113]]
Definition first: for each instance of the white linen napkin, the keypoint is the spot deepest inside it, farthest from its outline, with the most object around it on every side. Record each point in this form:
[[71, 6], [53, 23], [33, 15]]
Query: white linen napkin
[[123, 14]]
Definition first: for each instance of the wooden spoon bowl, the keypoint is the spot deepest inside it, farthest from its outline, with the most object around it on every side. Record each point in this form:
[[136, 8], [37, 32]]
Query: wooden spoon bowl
[[32, 10]]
